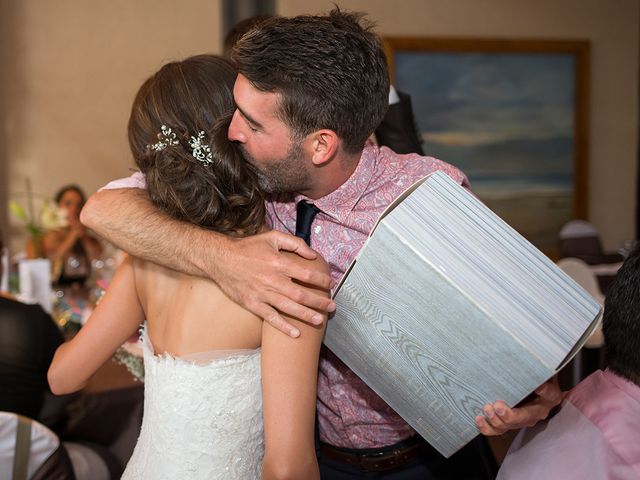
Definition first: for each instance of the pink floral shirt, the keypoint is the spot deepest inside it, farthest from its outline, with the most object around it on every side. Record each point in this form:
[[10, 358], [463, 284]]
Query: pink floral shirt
[[350, 414]]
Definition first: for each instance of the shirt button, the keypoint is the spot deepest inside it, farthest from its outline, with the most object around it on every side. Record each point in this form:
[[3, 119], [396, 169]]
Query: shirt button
[[317, 229]]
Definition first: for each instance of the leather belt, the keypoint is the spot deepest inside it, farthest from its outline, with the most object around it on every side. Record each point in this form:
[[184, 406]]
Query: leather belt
[[385, 459]]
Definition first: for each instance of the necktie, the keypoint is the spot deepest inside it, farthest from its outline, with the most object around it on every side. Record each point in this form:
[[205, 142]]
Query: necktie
[[305, 214]]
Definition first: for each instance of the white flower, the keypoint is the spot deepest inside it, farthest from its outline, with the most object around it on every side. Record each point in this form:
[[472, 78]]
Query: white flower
[[52, 216]]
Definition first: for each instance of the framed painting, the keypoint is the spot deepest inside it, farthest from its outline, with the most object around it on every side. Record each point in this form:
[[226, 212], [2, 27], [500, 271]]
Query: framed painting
[[512, 114]]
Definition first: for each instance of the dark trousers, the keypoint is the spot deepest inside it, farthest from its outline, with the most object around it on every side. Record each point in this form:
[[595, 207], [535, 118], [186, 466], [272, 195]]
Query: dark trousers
[[473, 462]]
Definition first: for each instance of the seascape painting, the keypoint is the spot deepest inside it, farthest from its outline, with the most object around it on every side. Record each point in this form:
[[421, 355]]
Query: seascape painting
[[508, 120]]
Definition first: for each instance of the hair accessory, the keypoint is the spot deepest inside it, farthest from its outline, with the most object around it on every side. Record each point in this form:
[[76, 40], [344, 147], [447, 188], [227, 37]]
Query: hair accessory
[[201, 151], [166, 137]]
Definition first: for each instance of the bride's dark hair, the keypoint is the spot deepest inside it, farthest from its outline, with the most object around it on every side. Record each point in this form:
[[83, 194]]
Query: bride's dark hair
[[188, 97]]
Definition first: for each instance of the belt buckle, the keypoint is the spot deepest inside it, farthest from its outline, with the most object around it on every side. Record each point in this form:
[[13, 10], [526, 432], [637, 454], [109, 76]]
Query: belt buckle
[[389, 460], [371, 455]]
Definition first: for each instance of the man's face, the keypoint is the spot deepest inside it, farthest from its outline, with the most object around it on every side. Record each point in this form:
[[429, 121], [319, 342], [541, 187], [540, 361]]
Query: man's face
[[266, 142]]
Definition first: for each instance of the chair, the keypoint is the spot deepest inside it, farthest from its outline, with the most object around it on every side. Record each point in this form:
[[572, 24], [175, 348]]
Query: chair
[[583, 275], [589, 358], [580, 239], [29, 450]]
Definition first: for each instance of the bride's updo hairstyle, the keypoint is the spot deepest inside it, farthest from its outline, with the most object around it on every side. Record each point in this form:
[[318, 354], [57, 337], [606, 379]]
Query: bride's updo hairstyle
[[218, 191]]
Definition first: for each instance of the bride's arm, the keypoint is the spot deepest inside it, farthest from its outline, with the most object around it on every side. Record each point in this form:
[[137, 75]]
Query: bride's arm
[[114, 320], [289, 382]]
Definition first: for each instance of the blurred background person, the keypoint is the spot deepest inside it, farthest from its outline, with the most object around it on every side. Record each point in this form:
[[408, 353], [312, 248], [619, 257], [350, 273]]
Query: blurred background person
[[70, 249]]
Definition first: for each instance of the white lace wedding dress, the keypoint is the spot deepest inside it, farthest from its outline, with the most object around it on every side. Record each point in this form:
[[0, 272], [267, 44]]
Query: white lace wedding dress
[[202, 417]]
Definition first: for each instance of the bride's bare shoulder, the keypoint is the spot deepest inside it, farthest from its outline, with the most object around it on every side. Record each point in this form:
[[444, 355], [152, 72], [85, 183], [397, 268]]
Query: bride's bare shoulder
[[318, 263]]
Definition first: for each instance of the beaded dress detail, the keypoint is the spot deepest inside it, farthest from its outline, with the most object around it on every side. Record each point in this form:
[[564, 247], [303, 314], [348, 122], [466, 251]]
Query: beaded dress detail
[[201, 420]]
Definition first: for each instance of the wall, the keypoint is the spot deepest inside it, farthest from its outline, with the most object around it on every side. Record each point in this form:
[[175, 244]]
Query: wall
[[71, 69], [612, 28], [70, 72]]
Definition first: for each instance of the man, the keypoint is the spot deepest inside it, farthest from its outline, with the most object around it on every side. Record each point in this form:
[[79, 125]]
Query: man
[[398, 127], [596, 433], [28, 339], [309, 93]]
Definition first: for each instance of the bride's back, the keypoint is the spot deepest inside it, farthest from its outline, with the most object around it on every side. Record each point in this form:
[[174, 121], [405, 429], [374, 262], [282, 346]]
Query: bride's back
[[188, 314], [202, 413], [193, 174]]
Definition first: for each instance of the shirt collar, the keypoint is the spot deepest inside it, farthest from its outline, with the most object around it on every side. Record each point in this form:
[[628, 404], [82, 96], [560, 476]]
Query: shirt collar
[[340, 203], [623, 384]]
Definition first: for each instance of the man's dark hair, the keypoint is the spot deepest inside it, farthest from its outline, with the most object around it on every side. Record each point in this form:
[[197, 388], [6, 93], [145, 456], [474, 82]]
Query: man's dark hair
[[621, 322], [331, 71], [188, 97]]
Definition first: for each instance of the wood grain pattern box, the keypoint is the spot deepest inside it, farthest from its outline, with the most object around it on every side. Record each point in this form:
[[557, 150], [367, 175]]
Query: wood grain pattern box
[[447, 308]]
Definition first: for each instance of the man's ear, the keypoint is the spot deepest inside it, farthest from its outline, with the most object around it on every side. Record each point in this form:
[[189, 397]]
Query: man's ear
[[325, 144]]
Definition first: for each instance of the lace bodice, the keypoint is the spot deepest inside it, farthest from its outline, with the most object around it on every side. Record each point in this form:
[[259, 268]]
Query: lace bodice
[[201, 421]]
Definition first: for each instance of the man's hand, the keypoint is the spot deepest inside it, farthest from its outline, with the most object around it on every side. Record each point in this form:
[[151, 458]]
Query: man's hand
[[499, 418], [250, 270], [254, 273]]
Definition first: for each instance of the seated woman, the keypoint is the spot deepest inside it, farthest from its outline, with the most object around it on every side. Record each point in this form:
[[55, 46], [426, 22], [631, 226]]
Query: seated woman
[[70, 249], [210, 390]]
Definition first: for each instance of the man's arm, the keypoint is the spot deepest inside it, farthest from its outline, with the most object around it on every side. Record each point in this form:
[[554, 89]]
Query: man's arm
[[251, 270]]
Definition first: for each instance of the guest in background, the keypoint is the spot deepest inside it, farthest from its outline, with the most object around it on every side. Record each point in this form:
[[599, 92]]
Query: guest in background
[[70, 249], [239, 29], [596, 433], [28, 340]]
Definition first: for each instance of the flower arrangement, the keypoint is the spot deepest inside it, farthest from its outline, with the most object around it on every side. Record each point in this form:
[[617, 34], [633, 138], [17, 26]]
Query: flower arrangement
[[130, 355], [49, 217]]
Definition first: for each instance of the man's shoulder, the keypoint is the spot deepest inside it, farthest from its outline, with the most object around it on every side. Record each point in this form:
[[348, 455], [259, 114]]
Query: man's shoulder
[[15, 306], [391, 166], [26, 320]]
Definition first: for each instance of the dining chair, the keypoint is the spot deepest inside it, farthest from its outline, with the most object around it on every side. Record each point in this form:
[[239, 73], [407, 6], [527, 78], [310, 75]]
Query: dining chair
[[31, 451], [590, 356], [581, 239]]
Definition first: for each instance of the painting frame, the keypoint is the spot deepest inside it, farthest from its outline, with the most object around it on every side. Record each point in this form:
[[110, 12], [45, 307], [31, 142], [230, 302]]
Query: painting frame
[[577, 50]]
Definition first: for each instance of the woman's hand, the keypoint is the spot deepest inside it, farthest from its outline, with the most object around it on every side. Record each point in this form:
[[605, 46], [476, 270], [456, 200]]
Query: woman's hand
[[499, 418]]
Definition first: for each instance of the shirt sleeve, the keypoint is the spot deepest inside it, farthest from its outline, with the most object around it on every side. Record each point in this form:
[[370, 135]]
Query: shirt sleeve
[[136, 180]]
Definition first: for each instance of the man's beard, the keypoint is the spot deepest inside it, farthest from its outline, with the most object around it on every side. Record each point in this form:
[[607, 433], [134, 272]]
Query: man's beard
[[286, 175]]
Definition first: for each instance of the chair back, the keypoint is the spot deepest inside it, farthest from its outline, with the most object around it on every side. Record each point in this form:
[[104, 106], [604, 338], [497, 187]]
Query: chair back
[[29, 450], [584, 276], [579, 271], [580, 239]]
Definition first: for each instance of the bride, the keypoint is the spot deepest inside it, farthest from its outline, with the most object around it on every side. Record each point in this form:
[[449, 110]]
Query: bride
[[226, 395]]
